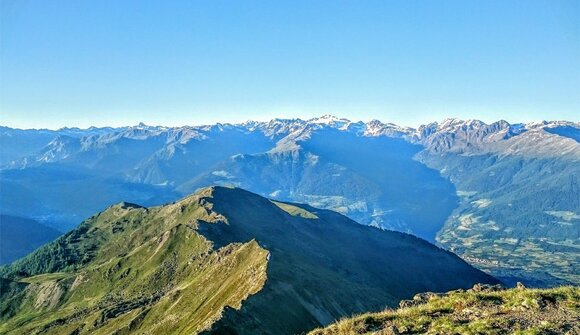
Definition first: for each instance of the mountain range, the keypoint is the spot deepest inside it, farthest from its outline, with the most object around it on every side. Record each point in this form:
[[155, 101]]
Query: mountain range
[[220, 261], [502, 196]]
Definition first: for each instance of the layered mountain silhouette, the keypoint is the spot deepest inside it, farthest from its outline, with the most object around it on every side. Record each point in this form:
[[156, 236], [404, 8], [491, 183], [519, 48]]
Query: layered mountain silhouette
[[20, 236], [503, 196], [222, 260]]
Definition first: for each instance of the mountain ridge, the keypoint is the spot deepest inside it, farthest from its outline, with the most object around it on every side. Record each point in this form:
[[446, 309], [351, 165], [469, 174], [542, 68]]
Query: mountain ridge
[[286, 133], [481, 310], [466, 184], [287, 127], [216, 248]]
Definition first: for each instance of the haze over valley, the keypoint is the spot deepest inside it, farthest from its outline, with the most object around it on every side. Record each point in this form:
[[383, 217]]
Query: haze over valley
[[502, 196]]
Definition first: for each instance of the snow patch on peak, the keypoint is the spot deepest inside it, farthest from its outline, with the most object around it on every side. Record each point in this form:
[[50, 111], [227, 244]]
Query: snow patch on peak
[[329, 120], [376, 128]]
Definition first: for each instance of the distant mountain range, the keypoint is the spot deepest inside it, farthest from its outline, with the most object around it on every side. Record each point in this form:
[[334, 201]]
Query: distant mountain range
[[505, 197], [222, 261]]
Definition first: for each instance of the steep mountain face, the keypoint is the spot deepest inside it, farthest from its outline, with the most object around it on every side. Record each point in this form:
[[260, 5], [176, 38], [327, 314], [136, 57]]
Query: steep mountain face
[[372, 180], [481, 310], [17, 143], [519, 207], [517, 217], [353, 168], [21, 236], [470, 186], [221, 260]]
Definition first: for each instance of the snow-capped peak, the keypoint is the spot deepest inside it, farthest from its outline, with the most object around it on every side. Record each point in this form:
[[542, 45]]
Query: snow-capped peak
[[328, 119]]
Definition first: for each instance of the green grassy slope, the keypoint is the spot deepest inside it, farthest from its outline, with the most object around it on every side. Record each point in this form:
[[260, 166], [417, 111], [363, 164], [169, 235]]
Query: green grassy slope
[[131, 269], [225, 255], [477, 311]]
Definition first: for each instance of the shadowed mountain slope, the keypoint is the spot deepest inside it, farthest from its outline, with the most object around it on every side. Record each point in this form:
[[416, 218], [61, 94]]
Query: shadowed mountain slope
[[220, 260], [20, 236]]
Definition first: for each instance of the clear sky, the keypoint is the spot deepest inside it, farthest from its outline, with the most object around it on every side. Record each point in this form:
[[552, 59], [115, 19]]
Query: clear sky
[[82, 63]]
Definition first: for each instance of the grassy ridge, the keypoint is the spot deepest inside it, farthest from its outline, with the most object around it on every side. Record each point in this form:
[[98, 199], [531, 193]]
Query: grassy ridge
[[140, 269], [475, 311], [324, 266], [223, 261]]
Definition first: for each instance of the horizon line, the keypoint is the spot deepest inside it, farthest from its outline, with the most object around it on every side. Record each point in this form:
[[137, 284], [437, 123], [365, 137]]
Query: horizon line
[[338, 118]]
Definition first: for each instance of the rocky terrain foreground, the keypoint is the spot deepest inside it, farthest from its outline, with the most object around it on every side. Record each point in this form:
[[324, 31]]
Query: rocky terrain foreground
[[484, 309]]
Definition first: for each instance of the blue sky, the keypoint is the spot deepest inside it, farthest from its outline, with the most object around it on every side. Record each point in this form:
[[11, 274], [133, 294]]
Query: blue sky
[[82, 63]]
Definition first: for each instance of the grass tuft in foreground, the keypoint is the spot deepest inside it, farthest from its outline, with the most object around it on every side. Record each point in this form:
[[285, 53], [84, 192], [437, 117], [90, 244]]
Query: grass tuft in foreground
[[482, 310]]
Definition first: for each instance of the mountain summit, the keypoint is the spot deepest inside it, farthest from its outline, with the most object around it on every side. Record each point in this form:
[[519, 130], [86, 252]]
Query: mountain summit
[[220, 260]]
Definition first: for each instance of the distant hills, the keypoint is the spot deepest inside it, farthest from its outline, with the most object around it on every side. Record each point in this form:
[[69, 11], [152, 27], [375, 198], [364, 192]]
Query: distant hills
[[503, 196], [21, 236], [222, 260]]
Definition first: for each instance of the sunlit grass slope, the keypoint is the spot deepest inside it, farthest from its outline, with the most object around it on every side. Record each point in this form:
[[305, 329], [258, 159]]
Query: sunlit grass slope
[[132, 269], [222, 261], [479, 311]]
